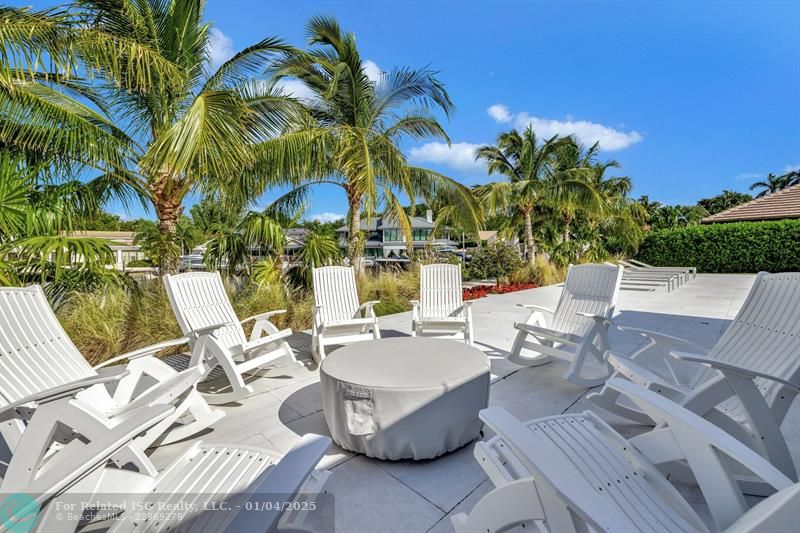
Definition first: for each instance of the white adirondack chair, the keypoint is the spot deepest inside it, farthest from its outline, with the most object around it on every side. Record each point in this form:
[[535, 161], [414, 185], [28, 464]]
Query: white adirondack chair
[[577, 327], [338, 318], [745, 384], [572, 472], [205, 315], [38, 360], [441, 311], [199, 479]]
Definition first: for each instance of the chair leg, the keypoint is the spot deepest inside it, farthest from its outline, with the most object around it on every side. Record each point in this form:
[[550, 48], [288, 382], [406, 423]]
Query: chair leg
[[196, 417], [607, 399], [516, 353], [573, 375], [239, 389], [320, 349]]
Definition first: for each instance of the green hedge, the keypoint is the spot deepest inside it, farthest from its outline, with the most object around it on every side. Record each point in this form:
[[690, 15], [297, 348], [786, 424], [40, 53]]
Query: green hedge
[[735, 247]]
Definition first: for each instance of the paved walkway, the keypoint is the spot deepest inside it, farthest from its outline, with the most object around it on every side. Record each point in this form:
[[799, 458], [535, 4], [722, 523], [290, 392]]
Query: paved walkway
[[373, 495]]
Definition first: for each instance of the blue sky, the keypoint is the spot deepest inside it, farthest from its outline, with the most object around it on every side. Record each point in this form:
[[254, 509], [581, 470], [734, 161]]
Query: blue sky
[[691, 97]]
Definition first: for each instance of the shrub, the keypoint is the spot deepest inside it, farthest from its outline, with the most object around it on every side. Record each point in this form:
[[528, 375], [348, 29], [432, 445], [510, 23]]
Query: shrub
[[494, 261], [96, 323], [735, 247], [542, 273]]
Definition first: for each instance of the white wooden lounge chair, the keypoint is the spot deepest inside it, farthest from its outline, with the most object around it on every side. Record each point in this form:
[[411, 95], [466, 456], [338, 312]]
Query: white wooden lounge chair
[[441, 311], [689, 271], [577, 327], [572, 472], [668, 280], [744, 384], [195, 485], [205, 315], [37, 360], [338, 318]]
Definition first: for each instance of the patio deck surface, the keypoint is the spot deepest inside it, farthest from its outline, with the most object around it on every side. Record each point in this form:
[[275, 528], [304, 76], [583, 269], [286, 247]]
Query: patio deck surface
[[372, 495]]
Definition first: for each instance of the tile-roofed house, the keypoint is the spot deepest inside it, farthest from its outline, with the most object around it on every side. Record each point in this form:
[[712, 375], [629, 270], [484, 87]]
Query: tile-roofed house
[[776, 206]]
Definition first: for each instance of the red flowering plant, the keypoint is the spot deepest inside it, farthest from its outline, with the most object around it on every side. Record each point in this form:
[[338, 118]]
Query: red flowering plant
[[480, 291]]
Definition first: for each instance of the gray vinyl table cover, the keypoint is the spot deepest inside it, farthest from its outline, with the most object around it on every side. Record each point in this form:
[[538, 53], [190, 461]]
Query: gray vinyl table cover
[[404, 398]]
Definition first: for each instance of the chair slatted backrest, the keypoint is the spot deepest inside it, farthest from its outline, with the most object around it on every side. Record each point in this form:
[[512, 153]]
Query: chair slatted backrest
[[765, 335], [589, 288], [440, 290], [35, 352], [199, 300], [335, 292]]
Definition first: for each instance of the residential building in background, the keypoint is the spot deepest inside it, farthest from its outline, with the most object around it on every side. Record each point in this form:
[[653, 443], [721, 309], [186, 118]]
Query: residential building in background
[[386, 241]]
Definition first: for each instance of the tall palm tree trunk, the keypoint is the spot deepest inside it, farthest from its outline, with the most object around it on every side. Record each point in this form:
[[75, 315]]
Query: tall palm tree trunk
[[530, 247], [567, 222], [169, 208], [354, 245]]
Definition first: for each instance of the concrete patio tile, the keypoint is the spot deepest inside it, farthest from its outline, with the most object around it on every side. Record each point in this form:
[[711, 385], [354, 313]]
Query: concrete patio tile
[[536, 391], [443, 481], [369, 500], [283, 436], [303, 397]]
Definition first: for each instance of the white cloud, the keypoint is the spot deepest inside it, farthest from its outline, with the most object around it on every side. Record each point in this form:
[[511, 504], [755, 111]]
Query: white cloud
[[296, 88], [325, 217], [499, 113], [791, 168], [584, 131], [460, 156], [220, 48], [747, 176], [372, 70]]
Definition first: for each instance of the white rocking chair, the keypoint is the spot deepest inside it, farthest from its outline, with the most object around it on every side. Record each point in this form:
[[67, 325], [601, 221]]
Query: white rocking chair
[[574, 472], [38, 361], [210, 487], [745, 384], [205, 315], [576, 328]]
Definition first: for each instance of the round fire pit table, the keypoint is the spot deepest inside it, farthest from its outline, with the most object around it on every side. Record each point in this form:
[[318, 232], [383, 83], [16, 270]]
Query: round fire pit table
[[404, 398]]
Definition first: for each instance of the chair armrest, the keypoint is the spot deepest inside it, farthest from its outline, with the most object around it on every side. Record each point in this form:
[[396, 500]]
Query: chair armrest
[[597, 318], [414, 303], [56, 393], [725, 367], [205, 330], [668, 342], [537, 308], [144, 352], [367, 308], [266, 315]]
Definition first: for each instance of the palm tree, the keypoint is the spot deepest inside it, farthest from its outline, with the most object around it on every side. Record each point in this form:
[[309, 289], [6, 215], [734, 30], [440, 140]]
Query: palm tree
[[575, 180], [526, 163], [348, 136], [37, 216], [185, 130], [725, 200], [772, 184]]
